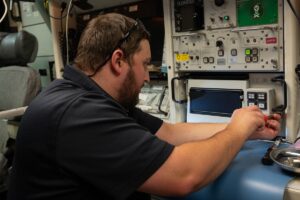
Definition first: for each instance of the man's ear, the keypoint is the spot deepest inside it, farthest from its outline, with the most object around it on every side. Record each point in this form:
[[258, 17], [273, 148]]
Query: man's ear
[[116, 61]]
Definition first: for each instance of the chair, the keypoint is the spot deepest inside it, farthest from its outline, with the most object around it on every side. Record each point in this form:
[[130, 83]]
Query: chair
[[19, 84]]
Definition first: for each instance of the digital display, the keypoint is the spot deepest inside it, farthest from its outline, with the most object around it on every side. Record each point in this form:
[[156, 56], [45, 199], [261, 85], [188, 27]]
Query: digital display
[[217, 102]]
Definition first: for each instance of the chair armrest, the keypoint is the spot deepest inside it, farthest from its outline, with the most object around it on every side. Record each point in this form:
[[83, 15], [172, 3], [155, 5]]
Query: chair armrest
[[12, 113]]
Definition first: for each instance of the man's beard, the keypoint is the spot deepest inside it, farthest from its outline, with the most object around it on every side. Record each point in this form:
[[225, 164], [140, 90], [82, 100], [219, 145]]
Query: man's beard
[[129, 97]]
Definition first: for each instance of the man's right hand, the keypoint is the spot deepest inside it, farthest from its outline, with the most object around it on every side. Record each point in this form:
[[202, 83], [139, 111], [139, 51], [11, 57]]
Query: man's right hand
[[246, 121]]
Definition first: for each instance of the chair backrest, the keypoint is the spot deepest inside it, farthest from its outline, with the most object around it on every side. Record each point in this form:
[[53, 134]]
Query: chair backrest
[[17, 48], [19, 83]]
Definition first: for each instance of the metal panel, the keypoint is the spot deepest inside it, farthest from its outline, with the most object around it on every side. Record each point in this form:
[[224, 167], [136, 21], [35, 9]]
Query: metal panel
[[30, 14], [44, 37], [41, 64]]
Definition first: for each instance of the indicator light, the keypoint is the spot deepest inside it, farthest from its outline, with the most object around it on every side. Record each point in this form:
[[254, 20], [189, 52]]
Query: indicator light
[[226, 18], [248, 52]]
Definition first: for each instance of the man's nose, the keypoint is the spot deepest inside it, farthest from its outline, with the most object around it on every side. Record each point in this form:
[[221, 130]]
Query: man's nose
[[147, 77]]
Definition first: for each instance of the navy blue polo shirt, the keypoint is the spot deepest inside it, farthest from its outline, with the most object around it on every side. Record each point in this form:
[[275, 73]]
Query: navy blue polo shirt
[[76, 142]]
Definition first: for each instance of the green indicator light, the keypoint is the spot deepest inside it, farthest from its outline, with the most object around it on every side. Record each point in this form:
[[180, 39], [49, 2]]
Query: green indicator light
[[226, 18], [248, 52]]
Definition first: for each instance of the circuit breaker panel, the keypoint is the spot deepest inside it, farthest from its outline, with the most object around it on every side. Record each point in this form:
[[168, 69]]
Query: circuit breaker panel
[[228, 35]]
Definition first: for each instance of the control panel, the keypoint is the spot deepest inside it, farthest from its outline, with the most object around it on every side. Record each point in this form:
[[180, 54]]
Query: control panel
[[264, 98], [222, 14], [236, 36]]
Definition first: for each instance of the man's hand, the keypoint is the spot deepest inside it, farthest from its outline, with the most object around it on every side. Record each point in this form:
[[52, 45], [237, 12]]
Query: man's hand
[[246, 121], [270, 130]]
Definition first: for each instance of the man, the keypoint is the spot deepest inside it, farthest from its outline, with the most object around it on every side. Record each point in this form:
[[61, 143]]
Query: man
[[82, 137]]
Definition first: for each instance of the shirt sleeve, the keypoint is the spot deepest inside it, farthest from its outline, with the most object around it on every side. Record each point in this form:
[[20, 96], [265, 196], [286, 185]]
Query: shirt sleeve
[[150, 122]]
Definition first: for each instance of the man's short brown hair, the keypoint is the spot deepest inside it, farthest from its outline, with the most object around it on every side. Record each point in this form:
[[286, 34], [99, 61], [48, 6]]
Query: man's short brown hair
[[101, 37]]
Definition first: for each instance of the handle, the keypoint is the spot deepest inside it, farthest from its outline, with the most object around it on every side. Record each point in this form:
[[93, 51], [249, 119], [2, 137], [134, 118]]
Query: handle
[[173, 90], [281, 108], [161, 100]]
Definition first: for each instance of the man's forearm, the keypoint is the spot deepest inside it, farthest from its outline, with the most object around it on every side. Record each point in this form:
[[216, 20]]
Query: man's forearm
[[181, 133], [193, 165]]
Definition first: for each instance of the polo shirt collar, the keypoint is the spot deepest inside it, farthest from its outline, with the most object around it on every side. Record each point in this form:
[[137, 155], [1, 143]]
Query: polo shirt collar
[[75, 75]]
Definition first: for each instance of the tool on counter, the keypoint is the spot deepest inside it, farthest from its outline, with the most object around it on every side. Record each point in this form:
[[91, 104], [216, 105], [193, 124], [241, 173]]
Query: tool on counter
[[266, 159]]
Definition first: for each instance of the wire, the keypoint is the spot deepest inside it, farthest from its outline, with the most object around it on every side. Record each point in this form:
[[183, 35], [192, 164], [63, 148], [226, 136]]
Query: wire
[[58, 18], [62, 10], [67, 31], [5, 11], [61, 17], [294, 11]]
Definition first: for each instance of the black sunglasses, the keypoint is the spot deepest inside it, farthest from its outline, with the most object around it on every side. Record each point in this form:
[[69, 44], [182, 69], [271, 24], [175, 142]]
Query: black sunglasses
[[121, 41]]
